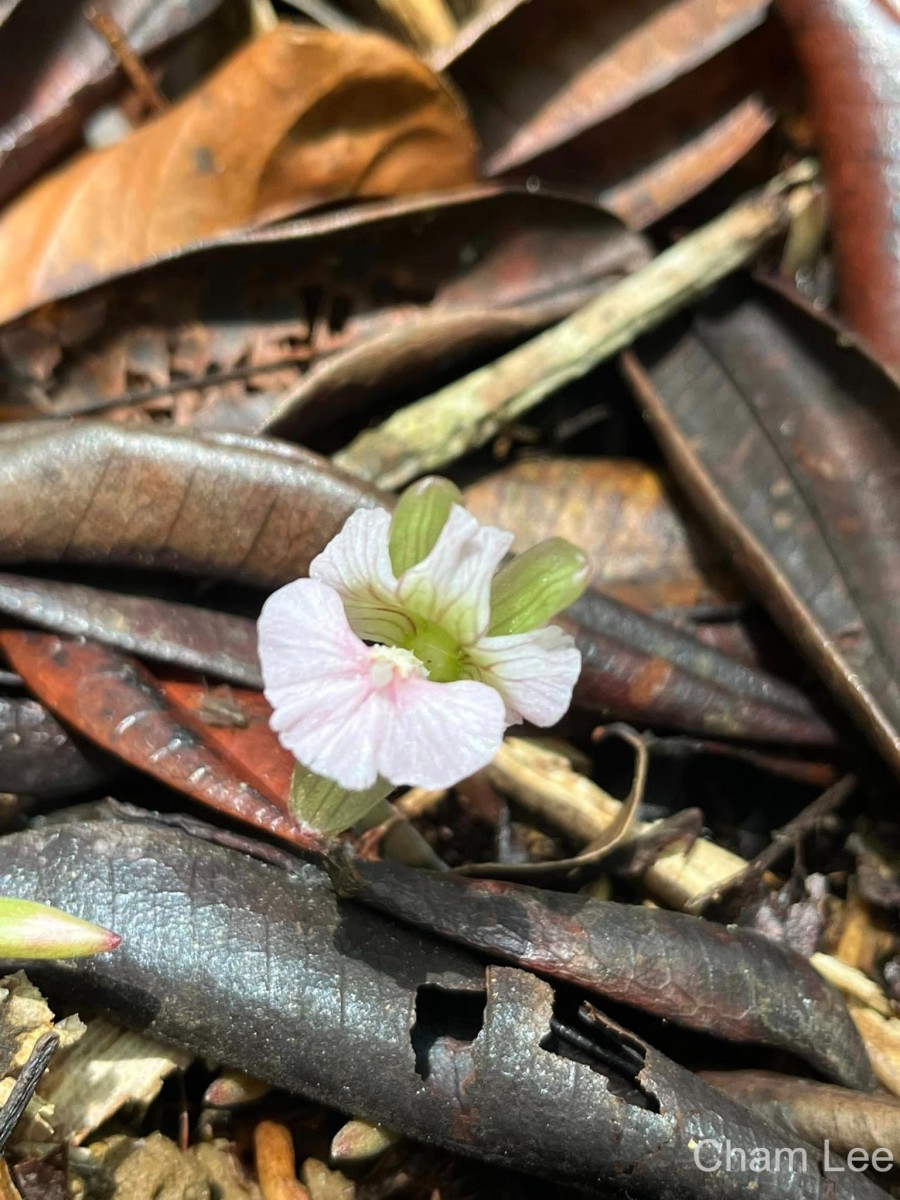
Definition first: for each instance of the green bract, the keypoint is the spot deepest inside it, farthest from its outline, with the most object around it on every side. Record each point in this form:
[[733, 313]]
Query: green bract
[[533, 588], [418, 519]]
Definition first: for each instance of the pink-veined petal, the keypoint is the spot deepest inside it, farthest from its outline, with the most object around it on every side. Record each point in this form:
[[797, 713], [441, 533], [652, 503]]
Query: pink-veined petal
[[452, 585], [357, 564], [316, 676], [440, 733], [335, 714], [534, 672]]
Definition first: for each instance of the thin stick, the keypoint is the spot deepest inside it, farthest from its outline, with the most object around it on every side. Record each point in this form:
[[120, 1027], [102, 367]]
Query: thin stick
[[26, 1084], [469, 412], [138, 75]]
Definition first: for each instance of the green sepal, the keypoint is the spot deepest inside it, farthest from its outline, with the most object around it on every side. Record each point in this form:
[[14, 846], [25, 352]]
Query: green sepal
[[328, 807], [420, 515], [30, 930], [535, 586]]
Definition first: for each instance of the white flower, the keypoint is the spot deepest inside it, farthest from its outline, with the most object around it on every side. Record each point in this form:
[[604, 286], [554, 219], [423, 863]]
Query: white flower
[[373, 675]]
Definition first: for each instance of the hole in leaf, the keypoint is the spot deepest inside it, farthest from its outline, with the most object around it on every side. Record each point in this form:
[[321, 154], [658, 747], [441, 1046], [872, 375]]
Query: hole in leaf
[[453, 1018]]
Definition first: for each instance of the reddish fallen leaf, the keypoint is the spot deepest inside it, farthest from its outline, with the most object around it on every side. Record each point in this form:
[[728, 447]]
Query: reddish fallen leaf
[[787, 438], [208, 504], [46, 96], [644, 545], [116, 703], [236, 722], [297, 117], [732, 983], [850, 53]]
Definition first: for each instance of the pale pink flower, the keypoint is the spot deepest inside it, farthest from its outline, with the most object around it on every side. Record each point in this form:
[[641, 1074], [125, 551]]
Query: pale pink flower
[[373, 676]]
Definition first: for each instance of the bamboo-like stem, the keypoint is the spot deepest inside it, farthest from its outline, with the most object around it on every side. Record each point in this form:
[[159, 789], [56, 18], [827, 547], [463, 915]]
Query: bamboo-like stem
[[468, 412]]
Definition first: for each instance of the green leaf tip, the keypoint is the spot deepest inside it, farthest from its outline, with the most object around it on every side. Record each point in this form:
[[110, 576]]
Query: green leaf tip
[[533, 588], [31, 930], [420, 515]]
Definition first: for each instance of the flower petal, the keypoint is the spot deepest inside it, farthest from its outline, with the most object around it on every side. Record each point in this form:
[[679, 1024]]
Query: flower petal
[[333, 718], [534, 672], [357, 564], [316, 675], [440, 733], [452, 585]]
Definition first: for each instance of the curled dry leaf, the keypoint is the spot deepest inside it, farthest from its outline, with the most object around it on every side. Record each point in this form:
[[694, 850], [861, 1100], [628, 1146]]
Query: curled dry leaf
[[369, 298], [644, 103], [252, 510], [850, 52], [47, 96], [732, 983], [38, 757], [362, 1013], [116, 703], [787, 437], [816, 1111], [645, 547], [297, 117]]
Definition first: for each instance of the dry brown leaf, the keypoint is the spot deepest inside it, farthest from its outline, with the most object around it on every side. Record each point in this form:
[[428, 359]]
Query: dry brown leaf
[[644, 548], [297, 117], [108, 1068]]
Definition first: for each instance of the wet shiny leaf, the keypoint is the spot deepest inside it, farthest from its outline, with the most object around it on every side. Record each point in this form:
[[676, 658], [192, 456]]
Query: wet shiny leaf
[[209, 504], [364, 1014], [734, 984]]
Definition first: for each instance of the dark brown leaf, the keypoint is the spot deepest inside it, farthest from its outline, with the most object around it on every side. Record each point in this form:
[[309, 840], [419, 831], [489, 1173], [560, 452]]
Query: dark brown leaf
[[642, 103], [116, 703], [295, 118], [38, 757], [787, 438], [647, 672], [199, 639], [369, 298], [573, 65], [816, 1111], [210, 504], [263, 970], [850, 52], [732, 983], [47, 95]]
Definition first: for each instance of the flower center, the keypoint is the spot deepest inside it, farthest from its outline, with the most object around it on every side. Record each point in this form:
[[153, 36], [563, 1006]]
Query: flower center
[[387, 663], [436, 649]]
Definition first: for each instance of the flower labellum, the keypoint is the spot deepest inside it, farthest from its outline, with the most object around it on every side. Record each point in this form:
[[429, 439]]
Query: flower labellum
[[30, 930], [407, 652]]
